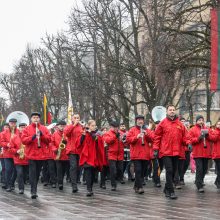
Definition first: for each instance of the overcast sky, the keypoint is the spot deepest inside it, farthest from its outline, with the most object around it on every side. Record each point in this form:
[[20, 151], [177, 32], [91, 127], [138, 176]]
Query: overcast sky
[[26, 21]]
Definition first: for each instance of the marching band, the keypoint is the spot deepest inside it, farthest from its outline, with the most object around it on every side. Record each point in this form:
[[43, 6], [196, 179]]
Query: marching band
[[29, 152]]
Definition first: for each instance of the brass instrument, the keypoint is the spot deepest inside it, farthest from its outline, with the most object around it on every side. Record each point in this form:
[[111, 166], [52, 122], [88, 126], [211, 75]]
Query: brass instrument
[[62, 146], [21, 152], [38, 136]]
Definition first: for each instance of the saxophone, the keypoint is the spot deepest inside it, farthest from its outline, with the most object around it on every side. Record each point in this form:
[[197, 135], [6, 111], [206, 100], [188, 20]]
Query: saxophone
[[21, 152], [62, 146]]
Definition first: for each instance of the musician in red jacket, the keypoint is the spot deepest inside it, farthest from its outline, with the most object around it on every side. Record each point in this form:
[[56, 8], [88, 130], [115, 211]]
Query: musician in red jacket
[[72, 132], [5, 127], [10, 170], [216, 153], [113, 139], [58, 145], [139, 138], [91, 147], [36, 139], [200, 138], [170, 138], [20, 159]]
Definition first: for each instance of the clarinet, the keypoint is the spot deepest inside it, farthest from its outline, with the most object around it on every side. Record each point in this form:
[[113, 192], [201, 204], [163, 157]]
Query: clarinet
[[142, 139]]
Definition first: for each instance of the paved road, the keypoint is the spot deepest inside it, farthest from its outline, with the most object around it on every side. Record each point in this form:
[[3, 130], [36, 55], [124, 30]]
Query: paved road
[[122, 204]]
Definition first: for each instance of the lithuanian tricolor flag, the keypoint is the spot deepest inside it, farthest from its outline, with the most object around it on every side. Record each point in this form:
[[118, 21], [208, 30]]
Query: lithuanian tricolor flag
[[215, 49]]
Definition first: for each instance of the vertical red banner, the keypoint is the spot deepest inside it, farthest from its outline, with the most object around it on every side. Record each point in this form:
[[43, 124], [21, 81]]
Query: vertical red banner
[[214, 50]]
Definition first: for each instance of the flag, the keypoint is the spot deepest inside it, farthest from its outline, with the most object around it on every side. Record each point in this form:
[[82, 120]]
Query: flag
[[1, 119], [215, 50], [49, 118], [70, 107], [45, 109]]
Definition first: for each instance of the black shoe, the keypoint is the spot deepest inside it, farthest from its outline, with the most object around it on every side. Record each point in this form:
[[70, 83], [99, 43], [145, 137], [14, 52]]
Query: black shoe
[[102, 186], [13, 188], [140, 191], [21, 191], [167, 193], [144, 183], [178, 186], [182, 183], [4, 187], [34, 196], [89, 193], [113, 188], [60, 187], [132, 179], [45, 184], [9, 189], [201, 190], [122, 182], [54, 186], [79, 182], [75, 189], [84, 183], [158, 185], [173, 196]]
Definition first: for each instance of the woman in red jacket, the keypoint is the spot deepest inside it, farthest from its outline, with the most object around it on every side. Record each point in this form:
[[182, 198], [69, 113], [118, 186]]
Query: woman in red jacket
[[113, 139], [216, 153], [62, 160], [10, 170], [91, 147], [139, 138], [20, 160], [200, 138]]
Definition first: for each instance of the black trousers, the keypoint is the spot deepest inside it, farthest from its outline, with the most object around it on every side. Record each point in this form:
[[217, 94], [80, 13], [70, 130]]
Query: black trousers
[[157, 165], [104, 174], [49, 171], [34, 173], [183, 165], [22, 171], [201, 170], [62, 166], [10, 172], [171, 165], [89, 177], [3, 171], [74, 168], [217, 169], [116, 170], [140, 167]]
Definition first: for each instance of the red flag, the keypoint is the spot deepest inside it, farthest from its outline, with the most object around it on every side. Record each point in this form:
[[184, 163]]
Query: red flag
[[215, 50], [49, 118]]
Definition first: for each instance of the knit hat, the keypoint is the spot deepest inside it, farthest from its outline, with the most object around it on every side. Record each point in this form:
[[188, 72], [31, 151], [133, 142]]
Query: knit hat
[[199, 117]]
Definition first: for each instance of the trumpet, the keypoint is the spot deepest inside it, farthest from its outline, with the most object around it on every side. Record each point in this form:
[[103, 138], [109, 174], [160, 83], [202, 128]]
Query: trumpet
[[38, 136], [21, 152], [62, 146]]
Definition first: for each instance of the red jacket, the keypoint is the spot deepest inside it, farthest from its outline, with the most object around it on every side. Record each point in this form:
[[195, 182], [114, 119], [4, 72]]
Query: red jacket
[[72, 133], [115, 146], [32, 150], [137, 150], [16, 145], [91, 150], [5, 140], [216, 144], [170, 137], [55, 142], [198, 145], [1, 148]]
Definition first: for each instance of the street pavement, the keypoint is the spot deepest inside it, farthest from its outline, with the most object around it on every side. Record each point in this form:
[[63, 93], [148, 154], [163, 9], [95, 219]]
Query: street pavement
[[122, 204]]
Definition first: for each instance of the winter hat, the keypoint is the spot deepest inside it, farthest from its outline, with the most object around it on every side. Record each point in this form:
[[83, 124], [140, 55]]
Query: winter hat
[[199, 117]]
